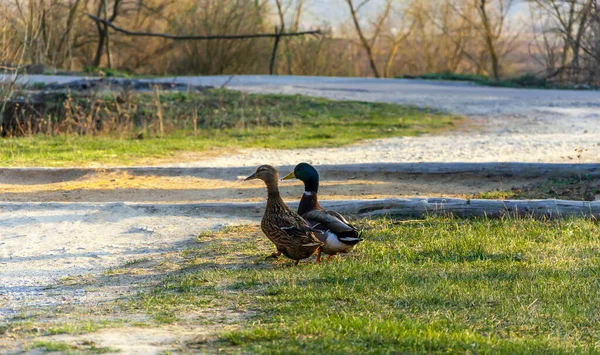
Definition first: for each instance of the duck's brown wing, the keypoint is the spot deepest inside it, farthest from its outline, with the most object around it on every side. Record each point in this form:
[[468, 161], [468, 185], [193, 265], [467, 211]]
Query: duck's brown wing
[[305, 235], [296, 227], [288, 228]]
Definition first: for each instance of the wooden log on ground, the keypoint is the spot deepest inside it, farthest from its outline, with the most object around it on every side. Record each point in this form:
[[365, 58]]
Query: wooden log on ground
[[410, 208], [395, 207]]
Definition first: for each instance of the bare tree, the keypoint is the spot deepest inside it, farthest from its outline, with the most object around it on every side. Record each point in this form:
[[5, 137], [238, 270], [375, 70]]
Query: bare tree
[[400, 27], [103, 34], [281, 29], [489, 23], [491, 28], [369, 43], [545, 46], [569, 21], [294, 8], [59, 54]]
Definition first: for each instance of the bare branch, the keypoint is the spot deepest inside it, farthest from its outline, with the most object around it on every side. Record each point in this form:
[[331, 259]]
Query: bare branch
[[384, 15], [361, 5], [586, 50], [194, 37]]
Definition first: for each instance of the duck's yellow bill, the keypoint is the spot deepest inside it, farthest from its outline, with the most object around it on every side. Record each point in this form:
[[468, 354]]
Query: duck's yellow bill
[[289, 176]]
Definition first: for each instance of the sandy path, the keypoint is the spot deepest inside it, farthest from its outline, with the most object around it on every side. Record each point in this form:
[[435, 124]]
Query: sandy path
[[42, 243], [117, 186]]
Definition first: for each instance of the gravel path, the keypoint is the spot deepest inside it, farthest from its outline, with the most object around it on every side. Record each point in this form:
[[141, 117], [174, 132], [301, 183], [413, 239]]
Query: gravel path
[[513, 125]]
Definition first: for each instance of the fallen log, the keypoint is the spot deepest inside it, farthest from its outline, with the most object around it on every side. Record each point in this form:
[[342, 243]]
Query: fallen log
[[415, 207], [418, 207], [394, 207]]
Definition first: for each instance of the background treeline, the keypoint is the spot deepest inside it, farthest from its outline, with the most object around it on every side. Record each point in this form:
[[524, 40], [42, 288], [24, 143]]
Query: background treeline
[[558, 40]]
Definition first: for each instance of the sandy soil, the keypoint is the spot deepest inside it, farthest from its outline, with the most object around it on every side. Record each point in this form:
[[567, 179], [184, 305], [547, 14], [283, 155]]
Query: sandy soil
[[122, 186], [42, 243]]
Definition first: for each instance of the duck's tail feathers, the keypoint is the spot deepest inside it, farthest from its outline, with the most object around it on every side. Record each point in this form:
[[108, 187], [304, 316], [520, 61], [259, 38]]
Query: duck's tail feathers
[[350, 237]]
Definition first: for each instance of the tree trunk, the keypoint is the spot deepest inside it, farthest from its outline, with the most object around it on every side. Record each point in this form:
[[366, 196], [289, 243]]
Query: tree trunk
[[59, 48], [489, 39], [390, 59], [363, 40], [580, 31], [274, 54], [106, 35], [101, 36]]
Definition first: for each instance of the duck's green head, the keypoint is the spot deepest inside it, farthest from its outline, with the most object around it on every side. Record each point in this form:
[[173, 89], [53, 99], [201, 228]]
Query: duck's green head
[[308, 174]]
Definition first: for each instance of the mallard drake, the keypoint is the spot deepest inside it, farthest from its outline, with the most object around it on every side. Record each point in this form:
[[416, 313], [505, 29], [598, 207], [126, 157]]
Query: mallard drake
[[290, 233], [337, 234]]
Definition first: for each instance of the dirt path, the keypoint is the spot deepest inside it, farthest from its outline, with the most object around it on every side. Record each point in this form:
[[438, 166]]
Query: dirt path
[[40, 244], [123, 186]]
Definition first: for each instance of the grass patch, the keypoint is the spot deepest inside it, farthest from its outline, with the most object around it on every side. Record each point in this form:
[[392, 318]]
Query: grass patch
[[528, 80], [76, 328], [579, 188], [438, 285], [127, 130], [87, 347], [51, 346]]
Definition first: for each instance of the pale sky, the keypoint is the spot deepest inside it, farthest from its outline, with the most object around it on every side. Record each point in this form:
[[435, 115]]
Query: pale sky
[[335, 12]]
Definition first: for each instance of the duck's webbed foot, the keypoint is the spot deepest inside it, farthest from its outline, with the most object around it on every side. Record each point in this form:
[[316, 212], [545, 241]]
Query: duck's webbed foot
[[274, 255], [318, 256], [329, 257]]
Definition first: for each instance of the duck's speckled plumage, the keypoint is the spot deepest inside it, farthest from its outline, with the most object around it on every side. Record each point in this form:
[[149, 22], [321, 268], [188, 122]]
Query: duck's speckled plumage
[[289, 232]]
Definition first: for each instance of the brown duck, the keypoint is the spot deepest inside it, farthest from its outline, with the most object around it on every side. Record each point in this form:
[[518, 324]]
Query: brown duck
[[290, 233]]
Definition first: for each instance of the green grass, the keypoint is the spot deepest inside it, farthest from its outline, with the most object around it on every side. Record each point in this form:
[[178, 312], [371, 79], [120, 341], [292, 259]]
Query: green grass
[[512, 286], [50, 346], [63, 348], [75, 328], [527, 80], [225, 120]]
